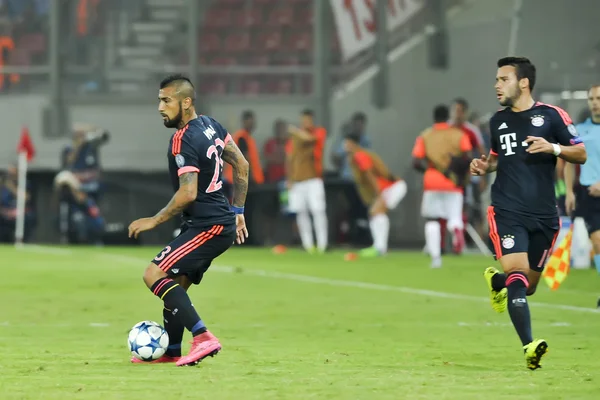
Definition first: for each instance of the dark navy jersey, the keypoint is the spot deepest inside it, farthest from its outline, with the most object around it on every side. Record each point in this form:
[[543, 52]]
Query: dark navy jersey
[[198, 147], [525, 182]]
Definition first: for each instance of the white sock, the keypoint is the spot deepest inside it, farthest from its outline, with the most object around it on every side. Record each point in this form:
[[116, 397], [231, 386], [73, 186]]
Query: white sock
[[320, 221], [380, 230], [433, 237], [305, 229]]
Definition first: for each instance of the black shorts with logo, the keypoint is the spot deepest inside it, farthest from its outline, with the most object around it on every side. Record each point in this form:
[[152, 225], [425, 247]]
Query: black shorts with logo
[[194, 249], [588, 207], [514, 233]]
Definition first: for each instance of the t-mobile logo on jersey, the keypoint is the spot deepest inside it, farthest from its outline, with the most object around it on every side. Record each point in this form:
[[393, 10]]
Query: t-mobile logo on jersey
[[509, 142]]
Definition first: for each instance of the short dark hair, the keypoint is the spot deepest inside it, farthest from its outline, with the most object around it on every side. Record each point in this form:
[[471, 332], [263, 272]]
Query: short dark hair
[[441, 113], [308, 112], [462, 101], [359, 116], [247, 115], [184, 85], [353, 137], [523, 68]]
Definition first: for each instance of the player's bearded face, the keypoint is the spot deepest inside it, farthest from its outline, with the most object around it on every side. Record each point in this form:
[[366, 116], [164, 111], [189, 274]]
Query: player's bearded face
[[174, 121], [511, 94]]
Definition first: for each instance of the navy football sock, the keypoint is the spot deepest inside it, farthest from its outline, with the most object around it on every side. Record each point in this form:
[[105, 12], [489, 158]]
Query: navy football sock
[[174, 328], [177, 300], [499, 281], [518, 308]]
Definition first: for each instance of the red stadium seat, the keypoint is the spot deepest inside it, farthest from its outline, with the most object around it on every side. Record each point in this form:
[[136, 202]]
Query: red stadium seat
[[281, 17], [269, 41], [213, 85], [237, 42], [218, 18], [301, 41], [251, 87], [209, 42], [248, 18], [279, 86], [222, 61]]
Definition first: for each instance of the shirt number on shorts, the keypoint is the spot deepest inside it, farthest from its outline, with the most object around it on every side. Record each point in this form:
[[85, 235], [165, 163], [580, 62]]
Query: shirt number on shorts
[[162, 255], [216, 183]]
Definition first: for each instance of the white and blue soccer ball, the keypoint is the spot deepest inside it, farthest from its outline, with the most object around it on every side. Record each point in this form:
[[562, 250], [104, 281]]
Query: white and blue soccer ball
[[148, 341]]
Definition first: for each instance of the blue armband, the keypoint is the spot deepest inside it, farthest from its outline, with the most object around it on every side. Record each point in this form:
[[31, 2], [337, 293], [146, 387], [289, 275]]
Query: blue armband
[[237, 210]]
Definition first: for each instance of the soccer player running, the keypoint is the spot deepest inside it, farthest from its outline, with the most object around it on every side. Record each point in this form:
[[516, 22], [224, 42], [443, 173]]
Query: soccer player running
[[526, 138], [378, 188], [209, 224], [588, 195]]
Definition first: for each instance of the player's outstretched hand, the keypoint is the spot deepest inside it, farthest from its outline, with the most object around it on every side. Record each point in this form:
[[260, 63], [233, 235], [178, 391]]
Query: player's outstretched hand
[[140, 225], [479, 166], [538, 145], [241, 230]]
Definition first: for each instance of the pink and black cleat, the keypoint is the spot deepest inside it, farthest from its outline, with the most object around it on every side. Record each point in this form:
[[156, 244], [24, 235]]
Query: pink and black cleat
[[204, 345]]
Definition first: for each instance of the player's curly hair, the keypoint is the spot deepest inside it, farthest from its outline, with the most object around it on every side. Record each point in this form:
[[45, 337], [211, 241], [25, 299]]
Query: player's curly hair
[[523, 67]]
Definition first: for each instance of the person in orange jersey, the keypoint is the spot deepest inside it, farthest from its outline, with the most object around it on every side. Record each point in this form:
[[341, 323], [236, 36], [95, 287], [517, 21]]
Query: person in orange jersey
[[442, 153], [378, 188], [304, 170], [247, 145]]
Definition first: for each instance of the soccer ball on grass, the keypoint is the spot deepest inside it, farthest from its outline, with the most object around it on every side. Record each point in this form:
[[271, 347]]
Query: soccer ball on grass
[[148, 341]]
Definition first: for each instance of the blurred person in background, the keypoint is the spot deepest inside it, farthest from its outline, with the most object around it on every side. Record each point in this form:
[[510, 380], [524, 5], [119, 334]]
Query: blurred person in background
[[85, 222], [460, 116], [379, 189], [583, 191], [82, 157], [304, 170], [247, 145], [442, 152], [8, 207], [357, 217], [274, 156], [274, 153], [244, 139]]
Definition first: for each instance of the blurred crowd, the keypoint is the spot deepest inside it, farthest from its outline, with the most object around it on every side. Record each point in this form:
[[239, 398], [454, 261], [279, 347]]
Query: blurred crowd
[[24, 35]]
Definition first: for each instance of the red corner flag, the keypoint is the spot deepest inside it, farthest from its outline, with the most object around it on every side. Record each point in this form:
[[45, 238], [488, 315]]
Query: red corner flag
[[26, 144]]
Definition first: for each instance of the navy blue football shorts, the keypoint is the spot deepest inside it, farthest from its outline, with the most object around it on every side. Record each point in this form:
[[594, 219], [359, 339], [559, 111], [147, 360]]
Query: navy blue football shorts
[[515, 233], [193, 250]]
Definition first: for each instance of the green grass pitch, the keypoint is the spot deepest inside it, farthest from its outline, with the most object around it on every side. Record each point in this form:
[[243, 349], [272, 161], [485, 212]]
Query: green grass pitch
[[292, 326]]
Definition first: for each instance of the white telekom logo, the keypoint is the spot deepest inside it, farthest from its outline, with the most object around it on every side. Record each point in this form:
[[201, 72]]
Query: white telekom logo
[[509, 142]]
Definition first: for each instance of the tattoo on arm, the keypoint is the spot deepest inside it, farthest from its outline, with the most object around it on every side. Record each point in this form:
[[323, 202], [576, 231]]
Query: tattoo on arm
[[188, 189], [233, 156]]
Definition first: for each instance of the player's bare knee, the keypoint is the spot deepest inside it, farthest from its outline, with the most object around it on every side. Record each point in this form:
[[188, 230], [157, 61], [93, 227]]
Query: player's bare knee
[[516, 262], [152, 274]]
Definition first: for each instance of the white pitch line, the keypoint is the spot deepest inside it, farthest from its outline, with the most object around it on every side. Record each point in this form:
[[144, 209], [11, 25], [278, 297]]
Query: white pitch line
[[34, 248], [321, 281], [355, 284]]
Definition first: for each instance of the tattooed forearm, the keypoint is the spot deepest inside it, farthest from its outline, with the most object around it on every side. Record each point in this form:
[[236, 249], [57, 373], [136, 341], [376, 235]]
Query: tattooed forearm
[[188, 189], [235, 158]]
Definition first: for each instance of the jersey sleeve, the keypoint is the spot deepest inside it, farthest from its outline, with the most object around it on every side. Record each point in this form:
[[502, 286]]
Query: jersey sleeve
[[188, 157], [465, 143], [418, 150], [565, 132], [321, 136], [493, 138], [363, 161]]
